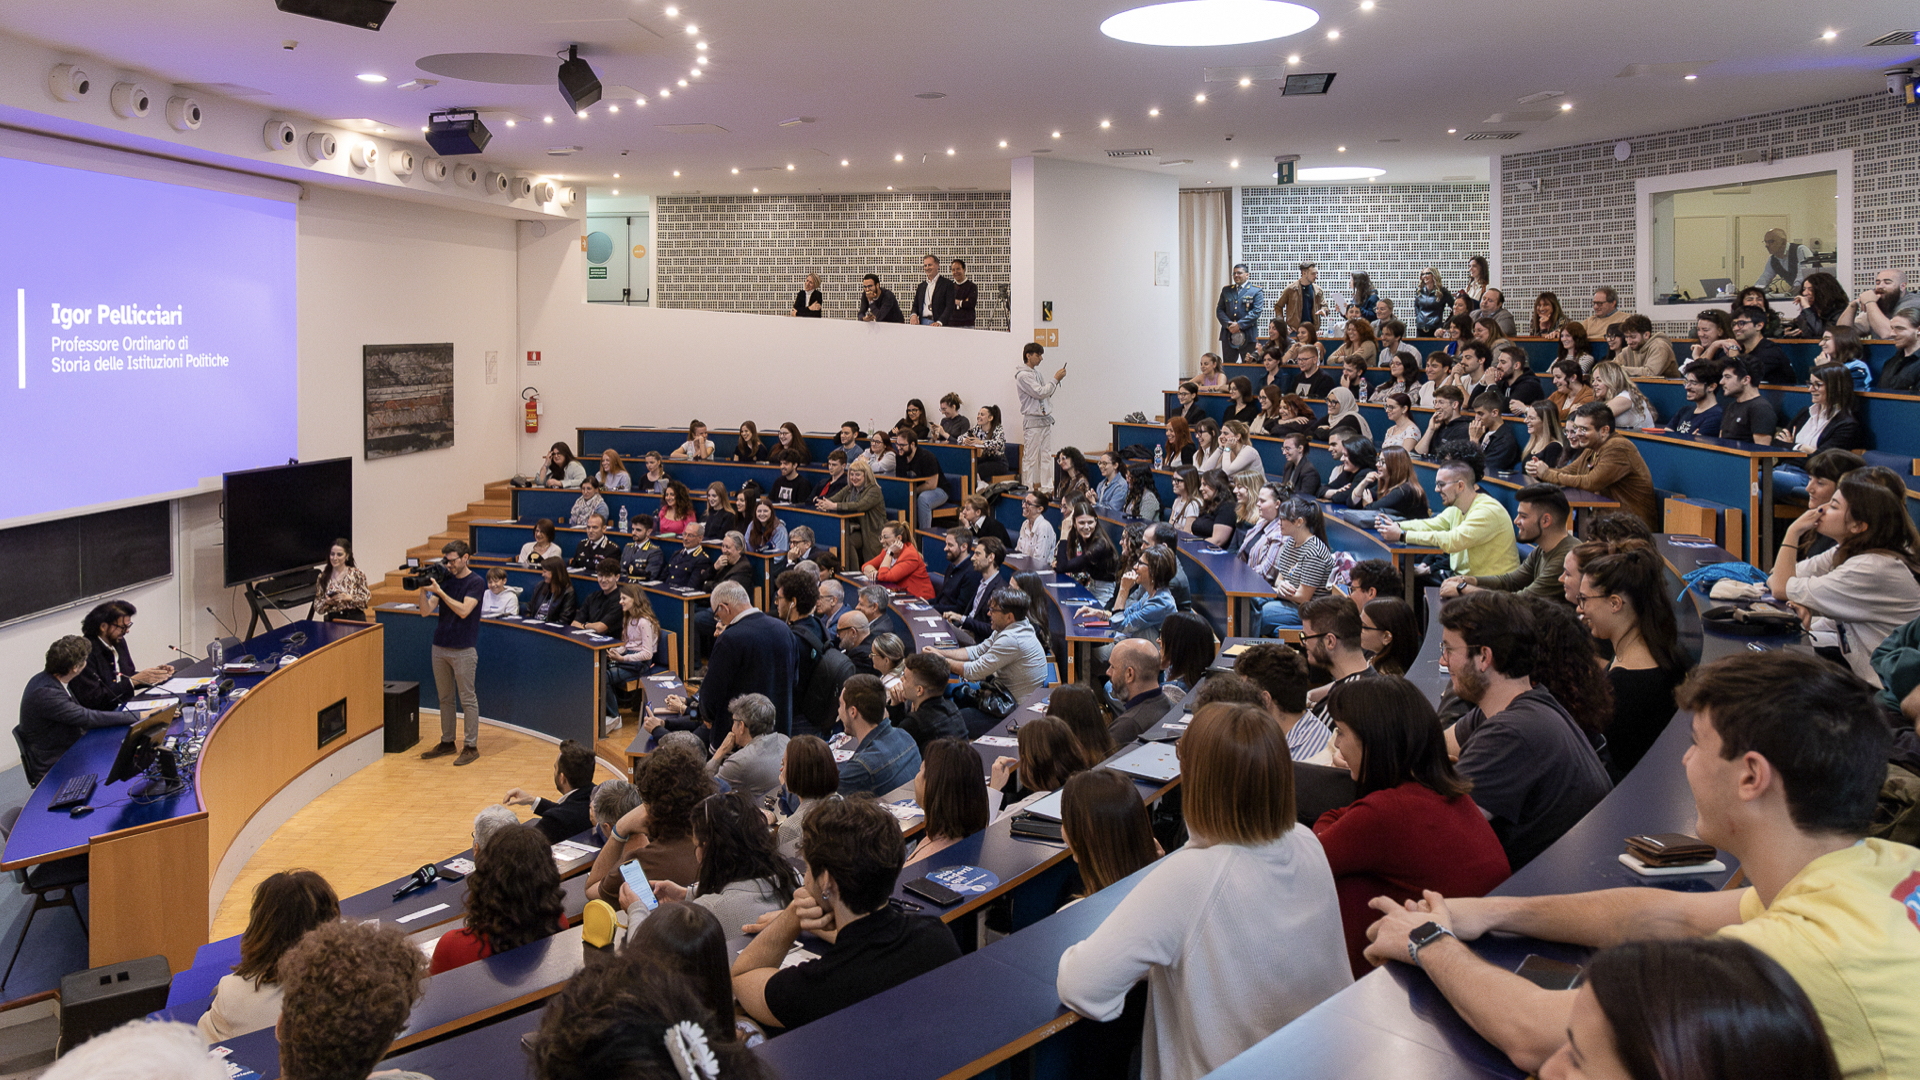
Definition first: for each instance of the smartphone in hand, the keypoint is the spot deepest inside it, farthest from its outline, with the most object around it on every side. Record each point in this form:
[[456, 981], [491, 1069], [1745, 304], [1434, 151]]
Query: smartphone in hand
[[636, 879]]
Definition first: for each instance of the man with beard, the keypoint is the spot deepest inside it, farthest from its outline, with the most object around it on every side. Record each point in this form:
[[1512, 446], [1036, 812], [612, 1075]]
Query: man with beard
[[1542, 521], [1332, 638], [1701, 414], [1534, 773]]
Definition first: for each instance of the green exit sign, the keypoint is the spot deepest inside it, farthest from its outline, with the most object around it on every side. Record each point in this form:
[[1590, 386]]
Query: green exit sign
[[1283, 173], [596, 273]]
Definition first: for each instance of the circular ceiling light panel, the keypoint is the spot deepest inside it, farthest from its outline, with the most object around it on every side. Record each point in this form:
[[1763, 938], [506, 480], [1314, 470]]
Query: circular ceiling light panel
[[1340, 172], [1210, 22], [513, 69]]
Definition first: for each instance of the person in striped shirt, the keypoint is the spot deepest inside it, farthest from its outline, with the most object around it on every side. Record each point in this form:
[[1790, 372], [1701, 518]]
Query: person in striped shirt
[[1301, 568]]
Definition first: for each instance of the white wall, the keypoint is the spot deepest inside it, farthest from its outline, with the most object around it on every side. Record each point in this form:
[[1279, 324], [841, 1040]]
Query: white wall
[[1084, 237], [608, 365], [371, 270]]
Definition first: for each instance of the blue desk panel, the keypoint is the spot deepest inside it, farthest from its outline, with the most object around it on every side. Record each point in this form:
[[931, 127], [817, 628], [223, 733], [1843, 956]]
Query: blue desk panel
[[544, 680]]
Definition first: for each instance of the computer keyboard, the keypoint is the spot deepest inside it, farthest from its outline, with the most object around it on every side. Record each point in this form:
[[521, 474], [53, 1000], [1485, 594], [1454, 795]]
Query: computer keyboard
[[75, 791]]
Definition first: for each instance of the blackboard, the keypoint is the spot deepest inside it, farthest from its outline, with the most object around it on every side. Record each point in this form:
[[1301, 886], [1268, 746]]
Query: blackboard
[[51, 564]]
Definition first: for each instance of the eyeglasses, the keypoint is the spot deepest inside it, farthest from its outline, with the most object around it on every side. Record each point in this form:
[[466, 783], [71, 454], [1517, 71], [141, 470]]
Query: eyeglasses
[[1314, 637], [1584, 597]]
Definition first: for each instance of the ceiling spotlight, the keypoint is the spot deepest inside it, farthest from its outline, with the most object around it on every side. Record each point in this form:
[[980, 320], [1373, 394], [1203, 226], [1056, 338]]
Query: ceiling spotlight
[[1342, 149], [1566, 106], [1450, 131], [1366, 5], [1690, 78], [1003, 144], [423, 130], [756, 191], [1294, 59], [899, 157], [736, 172], [1153, 112], [692, 29], [1056, 134], [672, 11], [701, 45], [1200, 97], [1106, 123], [1829, 35], [510, 123], [547, 119], [1245, 81], [664, 92], [949, 154], [694, 73], [1234, 164], [1333, 35], [582, 114], [1209, 22], [683, 82], [616, 191], [699, 59], [578, 84], [843, 163], [889, 187], [789, 166], [368, 76], [616, 176], [676, 172], [613, 108]]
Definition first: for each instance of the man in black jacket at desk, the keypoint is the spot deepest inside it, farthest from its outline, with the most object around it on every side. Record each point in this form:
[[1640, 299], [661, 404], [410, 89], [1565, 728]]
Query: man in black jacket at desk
[[989, 563], [643, 558], [878, 304], [50, 719], [961, 581], [1498, 448], [600, 612], [690, 568], [573, 777], [109, 677]]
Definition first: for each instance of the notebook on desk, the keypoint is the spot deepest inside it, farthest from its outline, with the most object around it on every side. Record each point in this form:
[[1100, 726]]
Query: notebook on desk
[[1158, 762]]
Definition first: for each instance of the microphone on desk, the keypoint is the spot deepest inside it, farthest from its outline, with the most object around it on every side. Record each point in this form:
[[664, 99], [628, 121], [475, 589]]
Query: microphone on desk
[[222, 622], [185, 653]]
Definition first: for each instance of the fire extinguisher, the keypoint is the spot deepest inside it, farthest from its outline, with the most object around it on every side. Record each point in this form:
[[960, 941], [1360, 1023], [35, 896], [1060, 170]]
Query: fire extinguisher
[[532, 397]]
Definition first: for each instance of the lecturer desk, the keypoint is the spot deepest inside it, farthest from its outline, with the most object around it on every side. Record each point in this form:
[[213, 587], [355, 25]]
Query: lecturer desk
[[541, 679], [152, 866]]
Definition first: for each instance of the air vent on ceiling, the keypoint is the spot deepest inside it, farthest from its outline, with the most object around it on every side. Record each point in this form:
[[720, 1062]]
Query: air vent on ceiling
[[1298, 85], [1177, 161], [692, 129], [563, 151], [1266, 73], [761, 168], [1523, 116], [1478, 136], [1544, 95], [1042, 150], [1898, 37], [1142, 152]]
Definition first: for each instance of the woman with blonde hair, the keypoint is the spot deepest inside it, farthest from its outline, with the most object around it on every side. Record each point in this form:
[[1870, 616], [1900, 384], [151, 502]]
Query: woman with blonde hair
[[860, 496], [1237, 455], [1631, 409], [1545, 438], [1432, 304], [1238, 932]]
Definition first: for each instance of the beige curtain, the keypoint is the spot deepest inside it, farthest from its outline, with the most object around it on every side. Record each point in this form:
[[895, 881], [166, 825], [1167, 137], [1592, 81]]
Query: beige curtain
[[1205, 259]]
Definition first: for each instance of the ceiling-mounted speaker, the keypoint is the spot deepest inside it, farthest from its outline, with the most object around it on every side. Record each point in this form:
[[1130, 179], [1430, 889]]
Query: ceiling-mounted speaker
[[400, 163], [68, 82], [499, 183], [184, 114], [280, 135], [131, 101], [543, 191], [435, 170], [466, 175], [322, 146], [519, 187], [366, 14], [457, 131], [363, 155], [567, 195]]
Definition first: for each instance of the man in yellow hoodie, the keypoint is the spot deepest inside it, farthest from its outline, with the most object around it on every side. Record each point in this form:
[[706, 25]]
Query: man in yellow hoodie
[[1474, 530]]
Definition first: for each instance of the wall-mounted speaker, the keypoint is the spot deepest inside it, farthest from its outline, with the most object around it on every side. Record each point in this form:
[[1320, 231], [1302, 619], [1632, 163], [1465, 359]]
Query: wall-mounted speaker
[[68, 82], [322, 146], [184, 114], [279, 135], [131, 101]]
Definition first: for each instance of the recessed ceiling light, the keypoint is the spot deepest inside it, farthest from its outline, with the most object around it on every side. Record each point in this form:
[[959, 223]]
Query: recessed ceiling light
[[368, 76], [1056, 134], [616, 176], [1209, 22], [664, 92], [949, 154], [1245, 81], [683, 82], [899, 157], [423, 129], [701, 45], [1690, 78], [692, 29], [613, 108], [1003, 144], [582, 114], [695, 73], [1333, 35], [616, 191], [1294, 59], [699, 59], [1153, 112], [1452, 130], [1342, 172], [1566, 106], [547, 119], [843, 163], [1829, 35], [509, 123], [789, 166], [1342, 149], [756, 191], [1366, 5], [1200, 97], [1234, 164], [672, 11], [676, 172], [736, 172], [1106, 123]]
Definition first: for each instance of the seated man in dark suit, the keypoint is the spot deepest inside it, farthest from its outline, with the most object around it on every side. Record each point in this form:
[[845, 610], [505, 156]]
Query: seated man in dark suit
[[110, 678], [573, 777], [800, 548], [690, 568], [961, 580], [50, 719], [643, 558], [989, 562], [876, 603]]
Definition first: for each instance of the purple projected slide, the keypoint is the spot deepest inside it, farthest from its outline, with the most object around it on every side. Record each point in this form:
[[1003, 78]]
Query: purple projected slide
[[149, 336]]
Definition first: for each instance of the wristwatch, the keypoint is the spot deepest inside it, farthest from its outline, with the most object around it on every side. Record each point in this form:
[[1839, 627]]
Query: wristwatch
[[1423, 935]]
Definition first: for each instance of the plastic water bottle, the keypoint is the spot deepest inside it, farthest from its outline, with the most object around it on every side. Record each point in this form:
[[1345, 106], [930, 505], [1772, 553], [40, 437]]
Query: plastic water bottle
[[623, 518], [201, 718], [1159, 457], [218, 654]]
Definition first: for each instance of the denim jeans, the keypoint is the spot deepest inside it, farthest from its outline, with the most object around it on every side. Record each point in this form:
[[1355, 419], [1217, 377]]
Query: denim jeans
[[1279, 614], [924, 503]]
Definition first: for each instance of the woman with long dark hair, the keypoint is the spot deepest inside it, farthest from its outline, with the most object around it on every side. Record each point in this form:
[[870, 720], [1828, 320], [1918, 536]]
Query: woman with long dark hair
[[748, 448], [562, 469], [1069, 475], [1105, 825], [1694, 1009], [1862, 590], [1623, 601], [676, 509], [1390, 635], [553, 599], [1565, 661], [742, 876], [1142, 500], [768, 534], [686, 938], [1394, 487], [952, 792], [342, 591], [791, 439], [1413, 824], [1186, 651], [513, 899], [1077, 706], [1822, 301], [1085, 554], [285, 906]]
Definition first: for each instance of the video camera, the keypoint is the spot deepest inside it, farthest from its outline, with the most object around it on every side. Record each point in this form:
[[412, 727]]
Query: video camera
[[433, 573]]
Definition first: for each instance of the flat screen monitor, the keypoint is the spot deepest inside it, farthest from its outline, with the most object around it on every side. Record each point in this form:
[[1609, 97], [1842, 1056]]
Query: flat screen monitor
[[141, 744], [284, 518]]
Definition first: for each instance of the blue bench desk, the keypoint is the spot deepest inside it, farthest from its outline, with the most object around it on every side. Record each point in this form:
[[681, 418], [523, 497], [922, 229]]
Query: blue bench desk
[[1214, 405], [1083, 636], [634, 442], [540, 679], [1892, 419], [1147, 435], [1733, 474]]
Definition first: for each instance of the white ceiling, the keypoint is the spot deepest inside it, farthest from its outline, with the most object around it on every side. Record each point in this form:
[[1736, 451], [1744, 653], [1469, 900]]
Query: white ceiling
[[1010, 69]]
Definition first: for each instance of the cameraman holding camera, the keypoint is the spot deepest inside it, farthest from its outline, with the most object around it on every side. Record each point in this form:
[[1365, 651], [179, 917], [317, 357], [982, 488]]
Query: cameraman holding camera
[[455, 645]]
